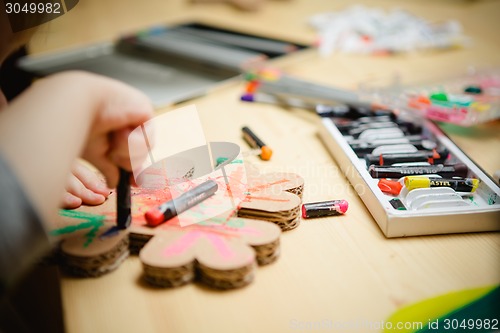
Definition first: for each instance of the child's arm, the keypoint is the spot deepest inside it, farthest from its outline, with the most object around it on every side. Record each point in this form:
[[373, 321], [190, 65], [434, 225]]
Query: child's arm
[[46, 128], [63, 117]]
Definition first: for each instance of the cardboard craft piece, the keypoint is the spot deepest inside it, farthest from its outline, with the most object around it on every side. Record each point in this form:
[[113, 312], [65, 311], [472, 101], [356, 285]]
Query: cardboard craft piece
[[276, 182], [274, 197], [222, 254], [245, 242], [282, 209], [87, 253]]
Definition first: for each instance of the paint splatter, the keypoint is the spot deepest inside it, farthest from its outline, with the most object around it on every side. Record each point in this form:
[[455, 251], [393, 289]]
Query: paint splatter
[[251, 197]]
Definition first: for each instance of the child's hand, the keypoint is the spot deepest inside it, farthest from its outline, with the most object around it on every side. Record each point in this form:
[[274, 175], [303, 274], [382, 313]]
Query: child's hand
[[65, 116], [121, 110], [84, 187]]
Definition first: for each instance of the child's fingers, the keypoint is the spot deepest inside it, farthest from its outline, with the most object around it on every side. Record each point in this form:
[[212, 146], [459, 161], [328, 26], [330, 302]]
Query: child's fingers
[[90, 179], [69, 201], [109, 170], [78, 189]]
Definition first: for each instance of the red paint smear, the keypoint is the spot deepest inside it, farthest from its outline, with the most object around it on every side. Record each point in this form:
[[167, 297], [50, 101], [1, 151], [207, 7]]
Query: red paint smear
[[260, 187], [265, 199]]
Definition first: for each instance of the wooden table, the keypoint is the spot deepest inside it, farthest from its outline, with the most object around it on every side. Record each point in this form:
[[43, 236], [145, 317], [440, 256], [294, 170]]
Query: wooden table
[[336, 269]]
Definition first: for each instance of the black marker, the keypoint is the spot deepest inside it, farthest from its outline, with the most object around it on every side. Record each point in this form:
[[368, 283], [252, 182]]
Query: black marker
[[123, 201], [430, 156], [254, 142], [447, 171], [176, 206]]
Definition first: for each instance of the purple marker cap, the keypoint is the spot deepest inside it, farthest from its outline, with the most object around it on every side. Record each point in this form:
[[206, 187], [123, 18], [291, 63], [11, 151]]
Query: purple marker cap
[[247, 98]]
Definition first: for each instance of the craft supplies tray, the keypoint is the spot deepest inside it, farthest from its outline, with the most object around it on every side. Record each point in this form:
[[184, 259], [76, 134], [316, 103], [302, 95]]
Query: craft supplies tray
[[465, 100], [170, 64], [412, 178]]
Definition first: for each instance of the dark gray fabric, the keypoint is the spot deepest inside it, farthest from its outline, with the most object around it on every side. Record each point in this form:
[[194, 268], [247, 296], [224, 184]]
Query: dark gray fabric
[[22, 236]]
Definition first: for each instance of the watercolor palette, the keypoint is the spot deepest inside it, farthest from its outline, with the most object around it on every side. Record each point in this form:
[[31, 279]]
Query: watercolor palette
[[385, 187]]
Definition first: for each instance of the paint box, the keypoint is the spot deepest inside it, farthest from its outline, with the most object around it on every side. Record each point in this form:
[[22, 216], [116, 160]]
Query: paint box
[[441, 213]]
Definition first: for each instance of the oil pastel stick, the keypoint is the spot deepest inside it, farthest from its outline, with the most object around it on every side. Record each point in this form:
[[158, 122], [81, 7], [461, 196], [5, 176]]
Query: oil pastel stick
[[363, 148], [379, 142], [325, 208], [174, 207], [447, 171], [362, 127], [254, 142], [390, 186], [351, 112], [459, 185], [123, 201], [430, 156], [397, 204]]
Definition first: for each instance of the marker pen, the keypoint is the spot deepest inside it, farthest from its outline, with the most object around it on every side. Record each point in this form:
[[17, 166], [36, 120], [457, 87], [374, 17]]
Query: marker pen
[[456, 170], [123, 201], [174, 207], [325, 208], [430, 156], [459, 185], [255, 142]]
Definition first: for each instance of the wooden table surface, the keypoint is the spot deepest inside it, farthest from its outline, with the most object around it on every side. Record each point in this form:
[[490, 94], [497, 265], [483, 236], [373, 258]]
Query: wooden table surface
[[336, 269]]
